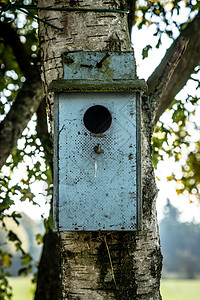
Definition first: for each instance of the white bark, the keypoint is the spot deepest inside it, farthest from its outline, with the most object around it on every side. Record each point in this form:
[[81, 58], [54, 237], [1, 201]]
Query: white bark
[[115, 265], [82, 31]]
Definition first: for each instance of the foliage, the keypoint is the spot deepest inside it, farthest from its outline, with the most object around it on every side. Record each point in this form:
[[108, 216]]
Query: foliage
[[29, 153], [163, 14], [175, 140], [12, 77], [5, 288], [36, 169], [179, 139]]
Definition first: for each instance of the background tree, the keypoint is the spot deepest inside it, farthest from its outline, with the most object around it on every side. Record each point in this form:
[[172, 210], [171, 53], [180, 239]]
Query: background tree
[[135, 259], [180, 244]]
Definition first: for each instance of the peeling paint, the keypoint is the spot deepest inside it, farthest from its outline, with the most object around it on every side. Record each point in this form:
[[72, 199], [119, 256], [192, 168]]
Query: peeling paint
[[98, 175]]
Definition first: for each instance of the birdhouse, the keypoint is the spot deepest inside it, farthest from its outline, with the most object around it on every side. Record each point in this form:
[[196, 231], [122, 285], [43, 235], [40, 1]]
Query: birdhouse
[[97, 141]]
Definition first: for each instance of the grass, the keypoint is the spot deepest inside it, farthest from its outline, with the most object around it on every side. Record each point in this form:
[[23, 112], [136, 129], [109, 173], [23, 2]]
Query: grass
[[175, 289], [23, 289], [171, 289]]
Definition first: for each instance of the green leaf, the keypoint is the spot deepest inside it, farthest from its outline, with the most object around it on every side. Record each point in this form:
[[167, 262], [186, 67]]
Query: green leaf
[[13, 237], [39, 238], [178, 115], [26, 259], [158, 43], [25, 271], [6, 260], [15, 215], [6, 203], [145, 51]]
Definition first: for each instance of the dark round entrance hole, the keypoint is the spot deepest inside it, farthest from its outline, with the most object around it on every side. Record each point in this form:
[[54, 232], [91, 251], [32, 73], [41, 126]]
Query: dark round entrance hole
[[97, 119]]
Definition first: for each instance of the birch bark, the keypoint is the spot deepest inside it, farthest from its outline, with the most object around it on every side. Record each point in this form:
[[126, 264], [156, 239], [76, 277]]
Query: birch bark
[[111, 265]]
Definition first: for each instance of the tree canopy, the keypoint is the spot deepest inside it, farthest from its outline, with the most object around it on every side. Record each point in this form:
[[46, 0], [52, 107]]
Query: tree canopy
[[24, 134]]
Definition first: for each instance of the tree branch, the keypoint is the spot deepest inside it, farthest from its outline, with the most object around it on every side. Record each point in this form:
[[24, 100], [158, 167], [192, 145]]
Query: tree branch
[[169, 68], [190, 59], [11, 37], [27, 100], [25, 105]]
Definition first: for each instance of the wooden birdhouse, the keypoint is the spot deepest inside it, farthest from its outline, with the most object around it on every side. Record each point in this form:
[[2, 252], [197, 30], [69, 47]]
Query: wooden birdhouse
[[97, 141]]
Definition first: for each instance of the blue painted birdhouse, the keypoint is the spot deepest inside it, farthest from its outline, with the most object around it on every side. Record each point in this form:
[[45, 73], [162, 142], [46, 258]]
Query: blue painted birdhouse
[[97, 141]]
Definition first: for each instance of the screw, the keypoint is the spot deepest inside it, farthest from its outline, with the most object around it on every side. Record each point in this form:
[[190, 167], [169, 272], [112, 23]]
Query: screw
[[97, 149]]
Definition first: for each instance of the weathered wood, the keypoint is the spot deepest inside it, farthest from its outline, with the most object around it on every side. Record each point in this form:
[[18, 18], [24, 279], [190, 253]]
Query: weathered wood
[[95, 86]]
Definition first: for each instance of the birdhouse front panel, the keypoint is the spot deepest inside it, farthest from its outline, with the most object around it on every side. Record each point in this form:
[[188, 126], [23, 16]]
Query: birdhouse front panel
[[97, 174]]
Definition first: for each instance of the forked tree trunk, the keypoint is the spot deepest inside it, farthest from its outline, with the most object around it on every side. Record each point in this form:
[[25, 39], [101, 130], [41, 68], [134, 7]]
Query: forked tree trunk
[[110, 265]]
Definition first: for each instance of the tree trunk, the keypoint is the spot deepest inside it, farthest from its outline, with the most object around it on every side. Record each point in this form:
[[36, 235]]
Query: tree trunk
[[107, 265]]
